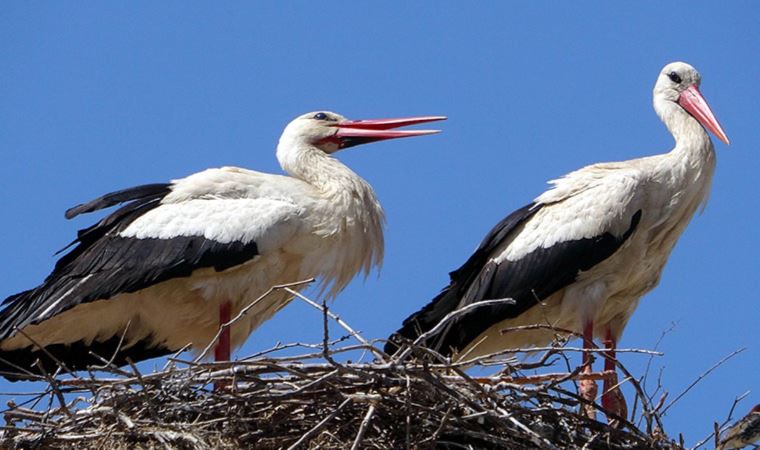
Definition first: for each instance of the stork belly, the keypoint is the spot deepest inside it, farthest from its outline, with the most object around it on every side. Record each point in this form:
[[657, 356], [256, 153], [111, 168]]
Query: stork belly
[[569, 308], [548, 312], [625, 289], [173, 313]]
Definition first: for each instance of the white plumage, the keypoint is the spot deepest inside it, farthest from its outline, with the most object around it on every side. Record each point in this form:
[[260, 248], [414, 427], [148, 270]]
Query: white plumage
[[584, 252], [159, 270]]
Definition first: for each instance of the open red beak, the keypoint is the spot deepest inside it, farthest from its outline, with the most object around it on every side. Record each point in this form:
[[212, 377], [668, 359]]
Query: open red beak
[[356, 132], [692, 101]]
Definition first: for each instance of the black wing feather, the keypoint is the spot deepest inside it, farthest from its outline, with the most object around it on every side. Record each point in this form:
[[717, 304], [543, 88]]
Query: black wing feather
[[448, 299], [76, 356], [146, 191], [527, 281], [104, 264]]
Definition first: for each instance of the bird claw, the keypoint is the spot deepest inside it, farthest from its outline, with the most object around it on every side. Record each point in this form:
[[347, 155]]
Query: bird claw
[[588, 390], [614, 402]]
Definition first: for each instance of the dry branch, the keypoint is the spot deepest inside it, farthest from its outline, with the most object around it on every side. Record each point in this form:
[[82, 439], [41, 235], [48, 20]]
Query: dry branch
[[280, 400]]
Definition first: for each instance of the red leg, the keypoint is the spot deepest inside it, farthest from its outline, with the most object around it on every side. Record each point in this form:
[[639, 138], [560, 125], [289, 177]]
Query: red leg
[[222, 349], [612, 398], [588, 388]]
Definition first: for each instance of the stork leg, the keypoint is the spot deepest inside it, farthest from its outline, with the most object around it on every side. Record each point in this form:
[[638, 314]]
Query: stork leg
[[612, 398], [222, 349], [587, 387]]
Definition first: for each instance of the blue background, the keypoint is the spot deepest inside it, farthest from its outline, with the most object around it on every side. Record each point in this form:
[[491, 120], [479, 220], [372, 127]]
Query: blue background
[[125, 93]]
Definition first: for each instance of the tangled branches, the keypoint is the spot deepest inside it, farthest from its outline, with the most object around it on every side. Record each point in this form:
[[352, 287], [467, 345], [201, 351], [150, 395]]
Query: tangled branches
[[313, 396]]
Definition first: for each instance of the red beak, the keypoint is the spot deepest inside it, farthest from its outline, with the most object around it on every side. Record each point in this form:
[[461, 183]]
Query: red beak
[[356, 132], [692, 101]]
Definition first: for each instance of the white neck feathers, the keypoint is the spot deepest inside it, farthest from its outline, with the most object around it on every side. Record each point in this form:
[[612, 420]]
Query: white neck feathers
[[351, 212]]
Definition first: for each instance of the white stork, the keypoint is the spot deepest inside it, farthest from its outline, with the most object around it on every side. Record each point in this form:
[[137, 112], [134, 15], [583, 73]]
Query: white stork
[[581, 255], [177, 259]]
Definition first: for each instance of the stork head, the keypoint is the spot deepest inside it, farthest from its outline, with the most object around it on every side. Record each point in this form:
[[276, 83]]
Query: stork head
[[678, 84], [331, 132]]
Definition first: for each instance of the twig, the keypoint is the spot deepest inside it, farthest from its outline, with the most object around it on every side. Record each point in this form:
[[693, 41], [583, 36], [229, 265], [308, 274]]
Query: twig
[[717, 428], [55, 388], [442, 425], [656, 346], [326, 336], [313, 431], [553, 377], [46, 352], [699, 378], [363, 427], [245, 310], [109, 362], [300, 399], [106, 364], [339, 321], [171, 359], [400, 356]]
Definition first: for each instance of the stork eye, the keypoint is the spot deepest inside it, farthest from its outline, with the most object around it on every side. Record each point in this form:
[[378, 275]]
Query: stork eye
[[674, 77], [320, 116]]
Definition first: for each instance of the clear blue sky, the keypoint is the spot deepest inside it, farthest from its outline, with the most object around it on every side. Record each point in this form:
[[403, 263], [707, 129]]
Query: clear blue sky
[[124, 93]]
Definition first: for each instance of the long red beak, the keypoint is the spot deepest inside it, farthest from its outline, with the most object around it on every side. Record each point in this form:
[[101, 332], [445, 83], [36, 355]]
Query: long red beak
[[692, 101], [356, 132]]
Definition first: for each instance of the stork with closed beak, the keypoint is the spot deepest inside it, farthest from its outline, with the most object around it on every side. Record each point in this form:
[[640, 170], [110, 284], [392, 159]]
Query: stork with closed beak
[[581, 255], [178, 259]]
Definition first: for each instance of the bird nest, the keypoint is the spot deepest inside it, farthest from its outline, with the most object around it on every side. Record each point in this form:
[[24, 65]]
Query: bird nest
[[336, 394]]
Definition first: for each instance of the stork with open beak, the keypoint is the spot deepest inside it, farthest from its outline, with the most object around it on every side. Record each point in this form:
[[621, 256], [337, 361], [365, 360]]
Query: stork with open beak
[[179, 259], [581, 255]]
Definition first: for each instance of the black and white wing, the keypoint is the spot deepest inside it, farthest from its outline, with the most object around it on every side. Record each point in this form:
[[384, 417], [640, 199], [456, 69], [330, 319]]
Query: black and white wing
[[158, 234], [532, 253]]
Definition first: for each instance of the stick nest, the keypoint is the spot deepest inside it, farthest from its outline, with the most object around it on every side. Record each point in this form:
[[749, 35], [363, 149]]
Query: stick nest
[[314, 396]]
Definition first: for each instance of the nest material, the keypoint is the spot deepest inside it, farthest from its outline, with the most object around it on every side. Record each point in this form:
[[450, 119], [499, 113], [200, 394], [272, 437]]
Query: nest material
[[310, 400], [287, 402]]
